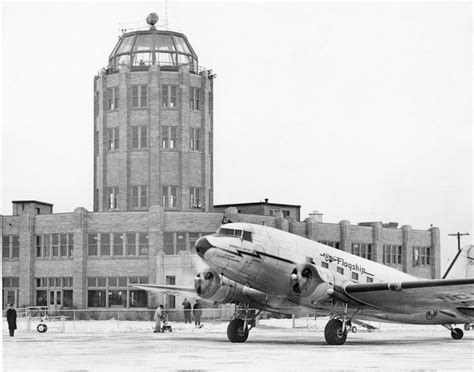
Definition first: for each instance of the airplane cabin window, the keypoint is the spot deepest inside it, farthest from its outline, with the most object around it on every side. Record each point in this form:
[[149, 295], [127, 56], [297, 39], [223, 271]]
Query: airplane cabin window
[[340, 270], [325, 265], [247, 236], [230, 232], [370, 280]]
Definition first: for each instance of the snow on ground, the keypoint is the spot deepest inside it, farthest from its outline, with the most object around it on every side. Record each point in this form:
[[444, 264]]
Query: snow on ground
[[274, 345]]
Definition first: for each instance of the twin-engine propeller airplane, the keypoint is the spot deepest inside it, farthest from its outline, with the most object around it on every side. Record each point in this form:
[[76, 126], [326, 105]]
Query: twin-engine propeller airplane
[[258, 267]]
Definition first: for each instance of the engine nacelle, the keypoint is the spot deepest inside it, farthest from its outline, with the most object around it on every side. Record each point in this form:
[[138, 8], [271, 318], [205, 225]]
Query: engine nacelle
[[219, 289], [311, 285]]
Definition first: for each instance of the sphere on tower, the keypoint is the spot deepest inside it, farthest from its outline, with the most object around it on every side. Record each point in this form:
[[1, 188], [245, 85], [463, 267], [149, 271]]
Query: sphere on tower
[[152, 19], [153, 125]]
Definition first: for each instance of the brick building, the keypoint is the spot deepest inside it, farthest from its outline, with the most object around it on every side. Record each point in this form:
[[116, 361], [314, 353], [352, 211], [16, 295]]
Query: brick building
[[153, 195]]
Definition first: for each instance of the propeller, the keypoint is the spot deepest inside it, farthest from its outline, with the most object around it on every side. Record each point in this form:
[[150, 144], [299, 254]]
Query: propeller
[[203, 282], [302, 278]]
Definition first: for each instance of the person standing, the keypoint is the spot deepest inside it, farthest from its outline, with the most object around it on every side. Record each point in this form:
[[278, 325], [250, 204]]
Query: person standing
[[197, 312], [187, 311], [157, 318], [11, 319]]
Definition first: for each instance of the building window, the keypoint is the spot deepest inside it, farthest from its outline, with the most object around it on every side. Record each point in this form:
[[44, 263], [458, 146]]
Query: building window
[[139, 96], [118, 244], [169, 195], [193, 237], [139, 137], [58, 289], [170, 299], [143, 244], [111, 197], [112, 139], [195, 139], [104, 244], [112, 98], [92, 244], [421, 256], [11, 246], [168, 243], [169, 96], [139, 195], [330, 244], [195, 197], [131, 244], [194, 98], [168, 137], [392, 254], [62, 245], [362, 250], [181, 242]]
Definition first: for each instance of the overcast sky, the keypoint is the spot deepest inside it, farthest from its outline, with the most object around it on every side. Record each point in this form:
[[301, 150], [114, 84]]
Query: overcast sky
[[362, 111]]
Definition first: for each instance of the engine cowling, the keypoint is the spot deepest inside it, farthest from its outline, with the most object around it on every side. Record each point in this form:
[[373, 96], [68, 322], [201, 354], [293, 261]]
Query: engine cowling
[[311, 285], [217, 288]]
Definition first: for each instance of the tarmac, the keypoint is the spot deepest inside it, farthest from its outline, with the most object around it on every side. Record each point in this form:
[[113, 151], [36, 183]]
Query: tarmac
[[274, 345]]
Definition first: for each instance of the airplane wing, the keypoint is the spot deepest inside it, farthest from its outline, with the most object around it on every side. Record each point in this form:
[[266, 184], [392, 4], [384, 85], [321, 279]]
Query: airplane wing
[[410, 296], [167, 289]]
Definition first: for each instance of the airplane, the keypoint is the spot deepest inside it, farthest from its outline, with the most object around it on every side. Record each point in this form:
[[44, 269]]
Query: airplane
[[259, 267]]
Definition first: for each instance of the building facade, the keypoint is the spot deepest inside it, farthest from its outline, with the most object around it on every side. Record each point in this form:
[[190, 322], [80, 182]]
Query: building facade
[[153, 195]]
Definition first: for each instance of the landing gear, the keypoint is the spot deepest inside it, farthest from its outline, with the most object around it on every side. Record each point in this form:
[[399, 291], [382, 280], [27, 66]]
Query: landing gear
[[241, 324], [340, 324], [237, 330], [456, 333], [335, 333]]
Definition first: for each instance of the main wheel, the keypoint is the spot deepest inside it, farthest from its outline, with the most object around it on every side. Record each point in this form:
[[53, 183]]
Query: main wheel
[[334, 333], [236, 332], [457, 333], [42, 328]]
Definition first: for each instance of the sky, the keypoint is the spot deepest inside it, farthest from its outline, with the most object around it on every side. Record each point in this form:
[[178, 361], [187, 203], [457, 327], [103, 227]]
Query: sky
[[361, 111]]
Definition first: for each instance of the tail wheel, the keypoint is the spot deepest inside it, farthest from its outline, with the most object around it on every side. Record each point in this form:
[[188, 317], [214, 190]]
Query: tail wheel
[[42, 328], [457, 333], [334, 332], [236, 332]]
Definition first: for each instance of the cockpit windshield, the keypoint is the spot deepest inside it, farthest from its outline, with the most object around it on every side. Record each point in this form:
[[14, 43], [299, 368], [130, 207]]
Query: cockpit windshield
[[245, 235]]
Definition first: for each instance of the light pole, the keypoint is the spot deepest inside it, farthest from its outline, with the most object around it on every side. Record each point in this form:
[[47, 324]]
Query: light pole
[[457, 255]]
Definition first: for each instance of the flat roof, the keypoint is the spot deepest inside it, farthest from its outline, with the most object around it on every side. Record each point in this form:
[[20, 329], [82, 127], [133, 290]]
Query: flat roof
[[257, 203], [31, 201]]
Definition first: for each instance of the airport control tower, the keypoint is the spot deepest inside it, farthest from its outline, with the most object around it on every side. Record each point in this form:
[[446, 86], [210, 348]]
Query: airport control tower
[[153, 125]]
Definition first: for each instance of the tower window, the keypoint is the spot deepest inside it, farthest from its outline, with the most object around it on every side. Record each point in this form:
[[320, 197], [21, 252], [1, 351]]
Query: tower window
[[139, 96], [195, 197], [112, 139], [111, 197], [195, 139], [139, 196], [194, 97], [112, 98], [169, 195], [392, 254], [139, 137], [168, 137], [169, 96], [362, 250]]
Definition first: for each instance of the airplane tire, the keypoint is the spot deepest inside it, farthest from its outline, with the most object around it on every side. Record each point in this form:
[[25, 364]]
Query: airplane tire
[[334, 334], [236, 331], [41, 328], [457, 333]]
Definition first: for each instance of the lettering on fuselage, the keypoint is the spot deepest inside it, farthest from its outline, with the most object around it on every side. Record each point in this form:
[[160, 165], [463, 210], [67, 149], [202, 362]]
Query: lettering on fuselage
[[458, 298], [341, 262]]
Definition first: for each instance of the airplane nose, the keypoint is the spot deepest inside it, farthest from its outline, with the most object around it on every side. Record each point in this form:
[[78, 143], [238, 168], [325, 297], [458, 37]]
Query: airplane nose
[[202, 245]]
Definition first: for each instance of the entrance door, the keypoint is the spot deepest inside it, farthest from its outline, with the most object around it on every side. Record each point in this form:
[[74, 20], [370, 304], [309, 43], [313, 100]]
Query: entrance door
[[55, 299], [9, 298]]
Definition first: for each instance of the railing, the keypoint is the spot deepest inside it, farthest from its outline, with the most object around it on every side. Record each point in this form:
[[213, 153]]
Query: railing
[[109, 70]]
